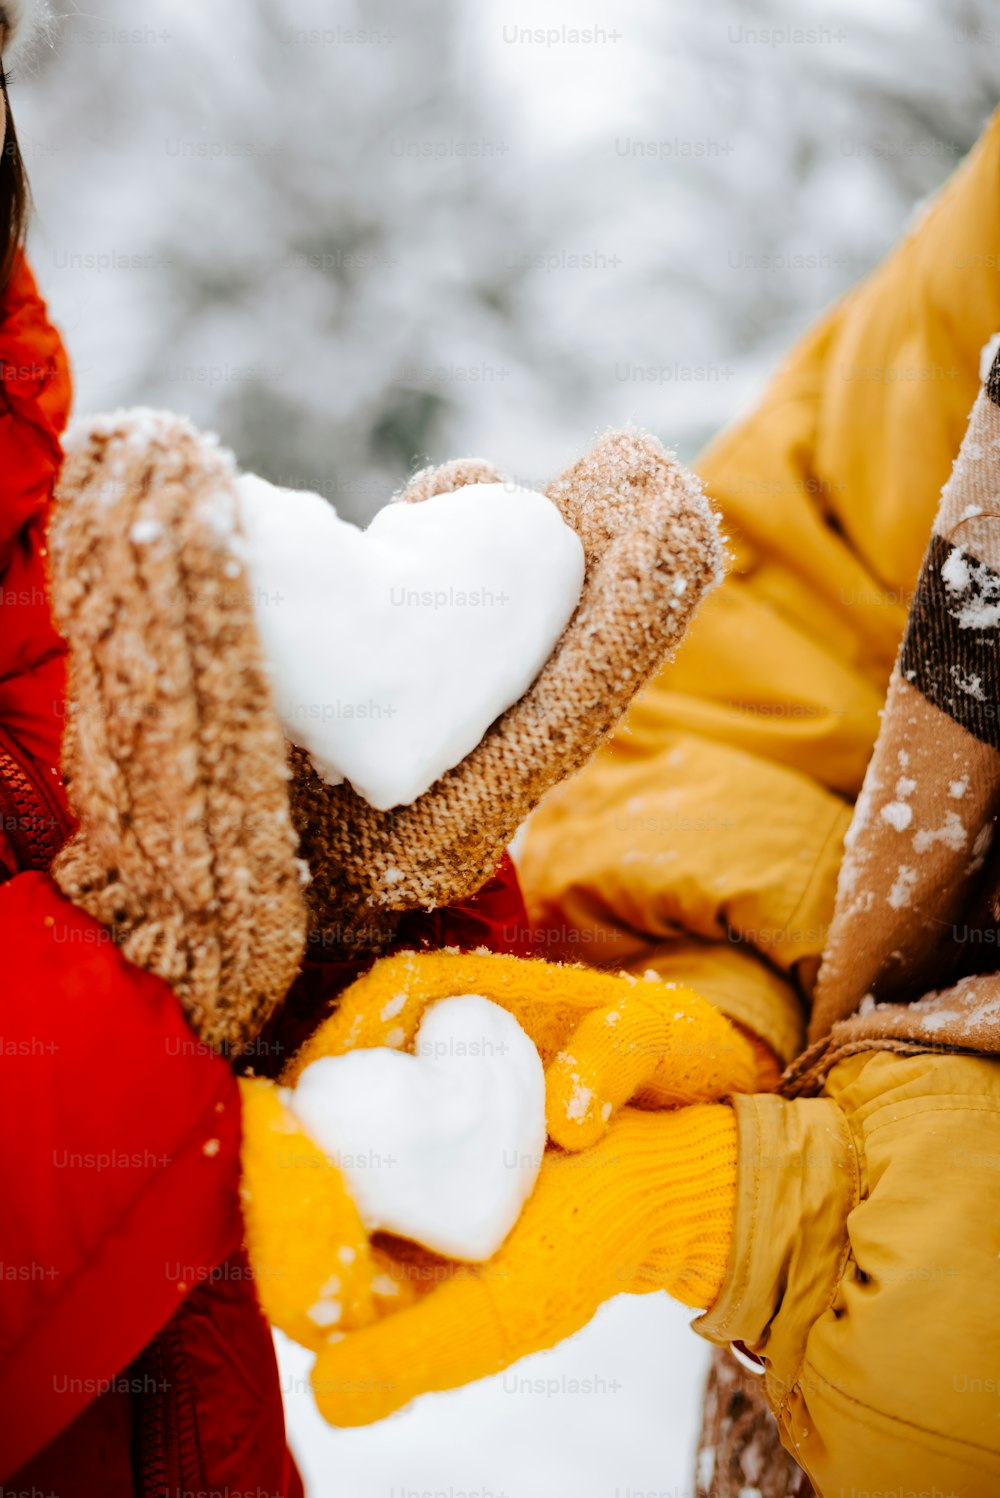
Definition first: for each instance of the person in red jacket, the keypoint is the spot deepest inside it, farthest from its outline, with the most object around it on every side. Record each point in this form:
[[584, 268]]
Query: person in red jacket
[[107, 1190], [118, 1376], [122, 1137], [164, 948]]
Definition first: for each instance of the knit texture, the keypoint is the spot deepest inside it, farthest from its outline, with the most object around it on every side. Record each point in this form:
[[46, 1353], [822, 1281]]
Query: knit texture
[[606, 1039], [917, 903], [652, 549], [308, 1247], [651, 1207], [173, 757], [316, 1272], [739, 1449]]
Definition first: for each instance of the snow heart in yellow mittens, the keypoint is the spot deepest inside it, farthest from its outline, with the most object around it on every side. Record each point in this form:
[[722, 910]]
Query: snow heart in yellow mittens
[[638, 1201]]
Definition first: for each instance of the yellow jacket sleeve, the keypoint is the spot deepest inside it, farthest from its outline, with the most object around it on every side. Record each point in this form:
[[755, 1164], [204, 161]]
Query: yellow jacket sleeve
[[863, 1271], [717, 810]]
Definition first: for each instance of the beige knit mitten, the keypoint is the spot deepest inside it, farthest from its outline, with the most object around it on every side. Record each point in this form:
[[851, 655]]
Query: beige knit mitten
[[174, 761], [652, 549]]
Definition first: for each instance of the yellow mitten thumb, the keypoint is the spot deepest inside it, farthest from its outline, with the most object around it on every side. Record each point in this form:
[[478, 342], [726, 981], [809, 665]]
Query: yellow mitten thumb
[[658, 1045]]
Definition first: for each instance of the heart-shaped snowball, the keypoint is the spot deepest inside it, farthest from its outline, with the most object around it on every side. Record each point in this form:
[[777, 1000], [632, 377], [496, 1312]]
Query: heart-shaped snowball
[[393, 649], [442, 1146]]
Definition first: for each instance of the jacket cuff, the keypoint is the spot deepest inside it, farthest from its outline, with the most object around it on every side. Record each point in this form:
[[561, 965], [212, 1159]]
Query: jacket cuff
[[797, 1181], [769, 1009]]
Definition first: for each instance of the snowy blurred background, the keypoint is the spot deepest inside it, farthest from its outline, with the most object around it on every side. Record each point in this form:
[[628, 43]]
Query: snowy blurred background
[[350, 237], [356, 237]]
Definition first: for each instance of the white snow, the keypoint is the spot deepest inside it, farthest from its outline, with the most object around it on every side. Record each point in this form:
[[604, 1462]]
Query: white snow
[[932, 1023], [982, 613], [968, 682], [393, 1007], [987, 354], [145, 530], [981, 608], [579, 1099], [983, 839], [862, 810], [325, 1312], [955, 571], [556, 1423], [392, 650], [988, 1009], [442, 1146], [901, 893], [219, 511], [980, 846], [951, 833], [897, 814]]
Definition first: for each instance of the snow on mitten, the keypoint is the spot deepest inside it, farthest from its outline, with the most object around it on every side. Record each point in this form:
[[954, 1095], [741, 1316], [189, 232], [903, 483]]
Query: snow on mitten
[[652, 549], [605, 1039], [656, 1213], [174, 761]]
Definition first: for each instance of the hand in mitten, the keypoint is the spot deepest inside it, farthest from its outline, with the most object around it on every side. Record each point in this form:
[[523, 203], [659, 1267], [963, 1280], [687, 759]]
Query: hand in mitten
[[604, 1038], [649, 1207], [314, 1268], [651, 549]]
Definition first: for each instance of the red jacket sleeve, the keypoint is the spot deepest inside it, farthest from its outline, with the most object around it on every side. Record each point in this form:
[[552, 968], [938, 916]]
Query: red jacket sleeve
[[35, 395], [120, 1169]]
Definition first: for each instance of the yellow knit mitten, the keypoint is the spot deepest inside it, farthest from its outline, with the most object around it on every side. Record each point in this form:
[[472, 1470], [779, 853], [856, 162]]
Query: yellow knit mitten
[[649, 1207], [314, 1269], [604, 1038]]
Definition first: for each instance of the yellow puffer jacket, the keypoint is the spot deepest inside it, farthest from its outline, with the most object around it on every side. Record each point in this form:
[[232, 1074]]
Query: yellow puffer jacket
[[709, 832], [864, 1271], [704, 842]]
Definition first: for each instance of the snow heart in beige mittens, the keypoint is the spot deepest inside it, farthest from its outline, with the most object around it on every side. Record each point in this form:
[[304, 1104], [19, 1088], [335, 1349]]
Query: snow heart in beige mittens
[[194, 847], [393, 649]]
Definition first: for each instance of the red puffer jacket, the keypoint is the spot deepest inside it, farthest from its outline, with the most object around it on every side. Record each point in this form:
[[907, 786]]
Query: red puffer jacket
[[133, 1357], [34, 403]]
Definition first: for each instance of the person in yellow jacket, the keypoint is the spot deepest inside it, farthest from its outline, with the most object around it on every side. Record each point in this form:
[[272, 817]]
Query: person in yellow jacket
[[848, 1232], [705, 843]]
